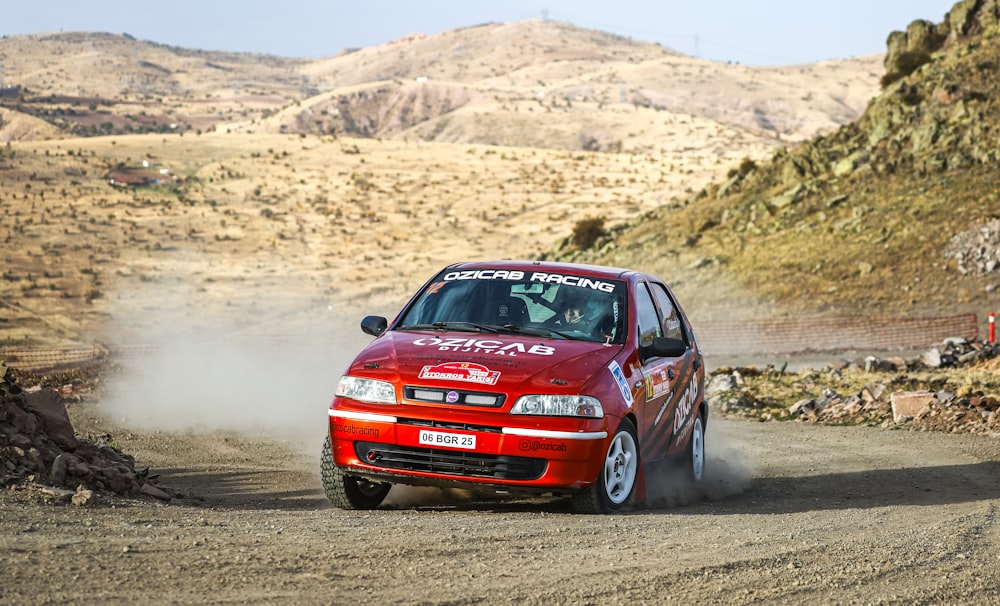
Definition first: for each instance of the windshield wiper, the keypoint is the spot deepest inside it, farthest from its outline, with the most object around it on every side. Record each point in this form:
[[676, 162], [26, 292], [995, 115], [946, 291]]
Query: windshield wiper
[[537, 332], [462, 326]]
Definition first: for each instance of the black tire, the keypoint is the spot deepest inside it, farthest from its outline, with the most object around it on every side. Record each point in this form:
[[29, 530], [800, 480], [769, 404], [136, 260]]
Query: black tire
[[694, 456], [615, 484], [346, 491]]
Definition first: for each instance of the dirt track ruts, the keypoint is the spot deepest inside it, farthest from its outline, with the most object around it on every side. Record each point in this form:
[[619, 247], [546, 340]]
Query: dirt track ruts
[[813, 514]]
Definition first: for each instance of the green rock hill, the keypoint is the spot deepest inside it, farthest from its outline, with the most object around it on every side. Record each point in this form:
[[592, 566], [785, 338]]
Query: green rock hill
[[894, 213]]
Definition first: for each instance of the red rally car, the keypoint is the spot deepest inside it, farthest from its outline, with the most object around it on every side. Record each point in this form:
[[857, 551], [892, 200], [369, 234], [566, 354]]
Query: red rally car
[[521, 377]]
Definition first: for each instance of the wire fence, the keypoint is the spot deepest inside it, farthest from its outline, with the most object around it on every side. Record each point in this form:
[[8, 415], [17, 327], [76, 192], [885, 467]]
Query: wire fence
[[776, 336], [833, 334]]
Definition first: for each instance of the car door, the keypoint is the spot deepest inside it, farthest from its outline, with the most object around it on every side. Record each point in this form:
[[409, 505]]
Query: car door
[[690, 373], [668, 394]]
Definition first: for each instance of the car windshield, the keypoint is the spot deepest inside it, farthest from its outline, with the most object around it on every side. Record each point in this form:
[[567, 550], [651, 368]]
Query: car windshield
[[524, 302]]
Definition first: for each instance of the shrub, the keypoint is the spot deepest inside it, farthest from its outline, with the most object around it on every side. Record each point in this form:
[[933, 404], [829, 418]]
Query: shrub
[[746, 166], [587, 231], [906, 63]]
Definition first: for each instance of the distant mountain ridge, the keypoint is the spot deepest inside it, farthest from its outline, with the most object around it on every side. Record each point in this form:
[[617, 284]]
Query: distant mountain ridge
[[495, 83]]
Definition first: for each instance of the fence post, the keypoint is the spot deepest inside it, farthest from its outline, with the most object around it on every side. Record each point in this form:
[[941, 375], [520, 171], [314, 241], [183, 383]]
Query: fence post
[[993, 324]]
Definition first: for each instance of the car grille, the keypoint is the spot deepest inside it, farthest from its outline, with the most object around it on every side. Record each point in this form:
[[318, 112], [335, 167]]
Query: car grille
[[450, 462], [454, 396], [448, 425]]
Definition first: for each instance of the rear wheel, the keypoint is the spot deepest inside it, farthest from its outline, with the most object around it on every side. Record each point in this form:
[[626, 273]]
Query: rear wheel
[[346, 491], [616, 482], [695, 454]]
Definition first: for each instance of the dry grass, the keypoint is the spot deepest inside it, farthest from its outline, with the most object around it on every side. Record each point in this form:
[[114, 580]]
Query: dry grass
[[264, 217]]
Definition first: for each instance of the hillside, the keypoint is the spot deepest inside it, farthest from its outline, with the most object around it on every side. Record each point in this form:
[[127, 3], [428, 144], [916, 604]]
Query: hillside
[[89, 83], [550, 84], [246, 212], [894, 213]]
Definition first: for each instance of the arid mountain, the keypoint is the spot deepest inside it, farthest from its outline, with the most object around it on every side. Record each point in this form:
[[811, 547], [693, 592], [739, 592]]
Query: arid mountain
[[896, 212], [119, 67], [549, 84], [520, 52], [90, 84], [497, 84], [146, 185]]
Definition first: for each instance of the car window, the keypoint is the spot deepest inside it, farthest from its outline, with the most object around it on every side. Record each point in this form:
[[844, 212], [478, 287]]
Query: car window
[[671, 319], [649, 322], [566, 306]]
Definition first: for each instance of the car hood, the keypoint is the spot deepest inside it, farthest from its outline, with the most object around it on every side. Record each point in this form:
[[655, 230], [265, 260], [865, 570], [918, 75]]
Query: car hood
[[511, 364]]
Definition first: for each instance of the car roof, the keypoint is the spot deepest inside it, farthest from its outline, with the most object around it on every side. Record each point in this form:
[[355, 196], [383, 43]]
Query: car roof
[[580, 269]]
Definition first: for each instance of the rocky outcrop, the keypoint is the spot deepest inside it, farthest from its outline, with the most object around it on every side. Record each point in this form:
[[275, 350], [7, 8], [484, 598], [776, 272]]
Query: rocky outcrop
[[923, 38], [938, 112], [972, 17]]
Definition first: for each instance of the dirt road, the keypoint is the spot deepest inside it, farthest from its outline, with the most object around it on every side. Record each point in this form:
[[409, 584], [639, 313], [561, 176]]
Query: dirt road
[[792, 513]]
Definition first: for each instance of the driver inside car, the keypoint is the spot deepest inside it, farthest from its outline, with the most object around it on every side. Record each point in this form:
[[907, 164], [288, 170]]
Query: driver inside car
[[572, 311], [584, 313], [572, 314]]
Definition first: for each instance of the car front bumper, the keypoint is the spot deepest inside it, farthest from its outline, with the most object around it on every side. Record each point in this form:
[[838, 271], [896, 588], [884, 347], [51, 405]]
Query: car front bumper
[[401, 448]]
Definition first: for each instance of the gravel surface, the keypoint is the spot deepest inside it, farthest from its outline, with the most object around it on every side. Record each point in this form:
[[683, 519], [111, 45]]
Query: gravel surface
[[790, 513]]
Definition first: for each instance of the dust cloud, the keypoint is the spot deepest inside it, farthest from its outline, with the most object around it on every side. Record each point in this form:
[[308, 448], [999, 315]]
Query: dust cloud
[[186, 368], [403, 497], [728, 471]]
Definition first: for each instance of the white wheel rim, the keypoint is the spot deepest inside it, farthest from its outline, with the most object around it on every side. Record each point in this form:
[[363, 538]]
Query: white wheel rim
[[697, 450], [620, 468]]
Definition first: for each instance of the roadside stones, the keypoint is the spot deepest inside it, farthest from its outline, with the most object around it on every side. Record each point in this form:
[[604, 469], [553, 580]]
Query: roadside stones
[[950, 353], [51, 410], [39, 450], [876, 364], [83, 497], [931, 358], [872, 392], [803, 408], [722, 382], [908, 404], [877, 403], [152, 491], [59, 468]]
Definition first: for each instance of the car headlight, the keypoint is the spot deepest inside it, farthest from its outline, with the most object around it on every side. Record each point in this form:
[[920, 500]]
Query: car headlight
[[367, 390], [558, 406]]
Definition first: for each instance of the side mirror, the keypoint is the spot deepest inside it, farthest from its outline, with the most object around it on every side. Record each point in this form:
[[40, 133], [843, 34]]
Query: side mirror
[[374, 325], [664, 347]]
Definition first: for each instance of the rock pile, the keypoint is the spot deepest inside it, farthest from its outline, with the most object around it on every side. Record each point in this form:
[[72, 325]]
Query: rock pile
[[966, 18], [39, 450], [887, 397], [951, 353], [977, 250]]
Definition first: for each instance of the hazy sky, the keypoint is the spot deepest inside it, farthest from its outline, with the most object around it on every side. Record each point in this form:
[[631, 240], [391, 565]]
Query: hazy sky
[[752, 32]]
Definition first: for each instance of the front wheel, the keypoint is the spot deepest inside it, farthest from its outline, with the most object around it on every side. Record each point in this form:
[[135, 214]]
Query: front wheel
[[616, 482], [345, 491]]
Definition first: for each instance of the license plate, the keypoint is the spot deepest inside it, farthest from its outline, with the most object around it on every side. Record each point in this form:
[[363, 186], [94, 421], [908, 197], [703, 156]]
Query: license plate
[[447, 440]]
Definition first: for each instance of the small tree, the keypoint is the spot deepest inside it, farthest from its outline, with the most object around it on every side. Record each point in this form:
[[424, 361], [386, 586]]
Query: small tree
[[587, 231], [746, 166], [906, 63]]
